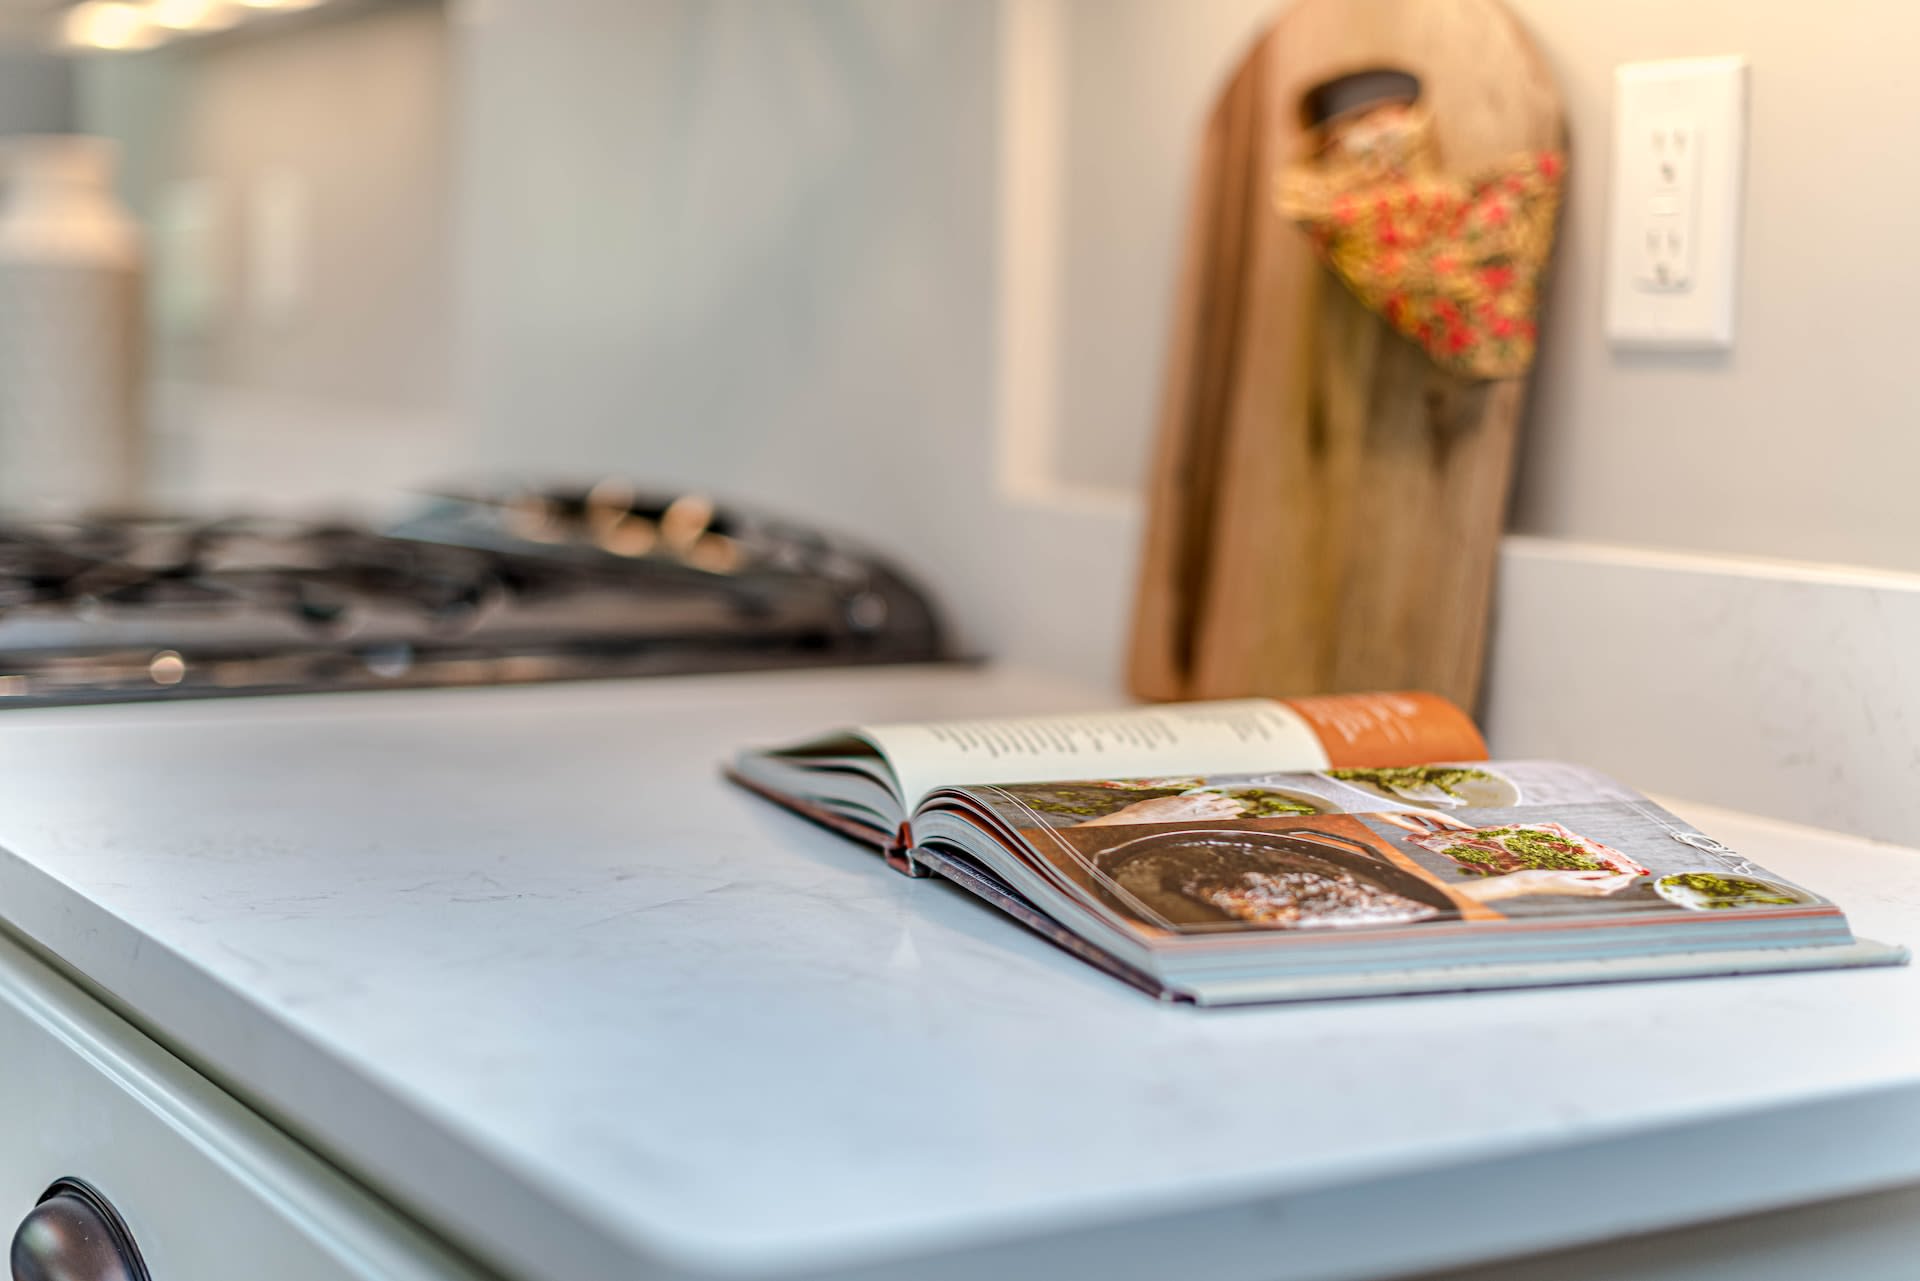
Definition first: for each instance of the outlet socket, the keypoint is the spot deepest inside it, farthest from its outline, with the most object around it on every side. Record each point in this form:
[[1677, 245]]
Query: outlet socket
[[1679, 151]]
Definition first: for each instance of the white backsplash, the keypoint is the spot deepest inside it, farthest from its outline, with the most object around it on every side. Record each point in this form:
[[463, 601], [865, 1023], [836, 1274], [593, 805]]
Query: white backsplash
[[1778, 688]]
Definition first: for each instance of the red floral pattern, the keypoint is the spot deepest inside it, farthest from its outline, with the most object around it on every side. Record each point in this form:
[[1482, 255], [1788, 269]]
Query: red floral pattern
[[1452, 264]]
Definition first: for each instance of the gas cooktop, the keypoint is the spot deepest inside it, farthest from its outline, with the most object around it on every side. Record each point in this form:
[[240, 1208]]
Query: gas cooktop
[[472, 589]]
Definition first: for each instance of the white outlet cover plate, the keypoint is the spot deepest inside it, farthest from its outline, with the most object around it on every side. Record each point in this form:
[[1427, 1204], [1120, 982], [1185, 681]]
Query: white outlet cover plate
[[1679, 162]]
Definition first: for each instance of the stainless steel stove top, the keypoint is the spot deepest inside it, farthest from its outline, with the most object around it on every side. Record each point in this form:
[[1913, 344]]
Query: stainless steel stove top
[[473, 589]]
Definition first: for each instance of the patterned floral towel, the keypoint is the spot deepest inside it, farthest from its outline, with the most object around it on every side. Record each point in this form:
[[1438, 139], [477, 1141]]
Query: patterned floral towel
[[1454, 264]]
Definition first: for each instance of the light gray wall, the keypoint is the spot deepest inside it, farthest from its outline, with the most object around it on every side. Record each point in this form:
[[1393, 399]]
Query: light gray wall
[[1802, 441], [728, 242], [36, 93], [1138, 78], [355, 108]]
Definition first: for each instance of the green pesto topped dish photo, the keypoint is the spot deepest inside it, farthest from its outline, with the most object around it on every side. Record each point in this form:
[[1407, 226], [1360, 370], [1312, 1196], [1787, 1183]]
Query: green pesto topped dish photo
[[1716, 891], [1524, 848], [1449, 786]]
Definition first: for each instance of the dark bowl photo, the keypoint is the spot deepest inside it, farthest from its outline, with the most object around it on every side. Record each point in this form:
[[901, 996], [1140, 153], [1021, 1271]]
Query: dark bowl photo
[[1210, 878]]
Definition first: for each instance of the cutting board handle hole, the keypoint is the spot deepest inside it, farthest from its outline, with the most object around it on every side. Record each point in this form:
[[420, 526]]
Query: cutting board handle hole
[[1357, 91]]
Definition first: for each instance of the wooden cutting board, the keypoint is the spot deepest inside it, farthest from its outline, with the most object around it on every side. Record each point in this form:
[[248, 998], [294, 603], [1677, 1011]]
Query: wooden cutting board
[[1326, 504]]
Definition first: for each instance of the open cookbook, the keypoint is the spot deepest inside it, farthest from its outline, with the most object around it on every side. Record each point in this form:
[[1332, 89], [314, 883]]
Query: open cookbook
[[1268, 850]]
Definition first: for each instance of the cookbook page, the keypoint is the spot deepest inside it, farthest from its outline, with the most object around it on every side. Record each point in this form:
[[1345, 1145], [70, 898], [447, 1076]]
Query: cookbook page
[[1231, 736], [1354, 848]]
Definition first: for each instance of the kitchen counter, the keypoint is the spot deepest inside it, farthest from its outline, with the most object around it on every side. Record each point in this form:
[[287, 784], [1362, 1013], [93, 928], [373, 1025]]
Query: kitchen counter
[[522, 963]]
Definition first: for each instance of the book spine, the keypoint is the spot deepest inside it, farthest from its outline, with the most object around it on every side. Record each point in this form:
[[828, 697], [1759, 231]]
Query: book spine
[[899, 854]]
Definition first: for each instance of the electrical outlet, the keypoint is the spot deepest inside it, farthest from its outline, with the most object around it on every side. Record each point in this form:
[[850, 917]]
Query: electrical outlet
[[1679, 145], [1667, 231]]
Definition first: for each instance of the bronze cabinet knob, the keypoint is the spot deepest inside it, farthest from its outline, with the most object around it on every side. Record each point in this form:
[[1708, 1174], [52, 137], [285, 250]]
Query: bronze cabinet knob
[[74, 1234]]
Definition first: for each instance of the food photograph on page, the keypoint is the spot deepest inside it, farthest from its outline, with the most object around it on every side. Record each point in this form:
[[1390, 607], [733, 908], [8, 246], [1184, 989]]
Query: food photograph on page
[[1212, 876], [1320, 851]]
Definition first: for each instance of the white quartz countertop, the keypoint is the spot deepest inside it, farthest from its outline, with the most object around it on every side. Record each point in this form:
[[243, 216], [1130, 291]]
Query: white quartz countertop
[[521, 960]]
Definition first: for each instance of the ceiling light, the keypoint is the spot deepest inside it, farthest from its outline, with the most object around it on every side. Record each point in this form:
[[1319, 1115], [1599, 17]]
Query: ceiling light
[[107, 24], [190, 15]]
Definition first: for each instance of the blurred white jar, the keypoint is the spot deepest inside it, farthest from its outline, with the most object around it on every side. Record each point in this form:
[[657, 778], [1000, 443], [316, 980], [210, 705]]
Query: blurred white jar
[[71, 332]]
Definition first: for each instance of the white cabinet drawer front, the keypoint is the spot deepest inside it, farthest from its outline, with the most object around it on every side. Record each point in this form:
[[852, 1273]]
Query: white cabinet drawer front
[[209, 1191]]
